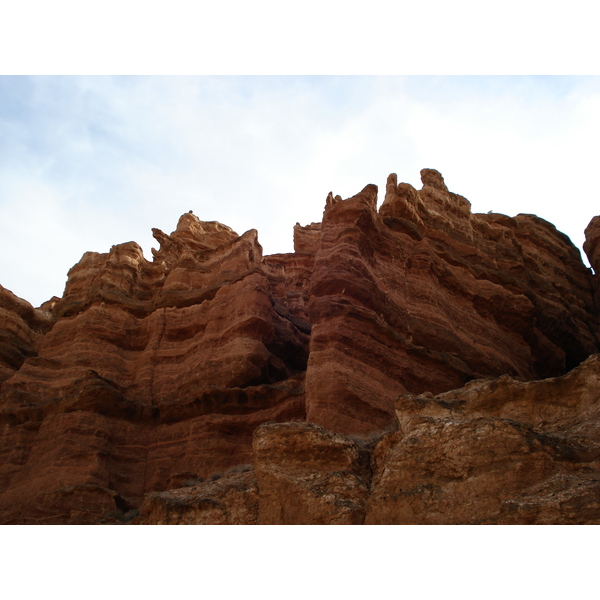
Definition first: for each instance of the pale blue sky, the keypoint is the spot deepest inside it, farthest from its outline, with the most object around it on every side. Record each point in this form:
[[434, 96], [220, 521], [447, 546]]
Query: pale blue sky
[[88, 162]]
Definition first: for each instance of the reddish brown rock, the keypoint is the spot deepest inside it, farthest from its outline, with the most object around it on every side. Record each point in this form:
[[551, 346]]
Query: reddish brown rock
[[495, 451], [309, 476], [591, 245], [498, 451], [147, 379], [222, 500], [22, 329], [424, 296], [175, 362]]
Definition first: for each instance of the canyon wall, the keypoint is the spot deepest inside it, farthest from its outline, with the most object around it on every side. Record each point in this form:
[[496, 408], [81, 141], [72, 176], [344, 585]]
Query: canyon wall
[[415, 363]]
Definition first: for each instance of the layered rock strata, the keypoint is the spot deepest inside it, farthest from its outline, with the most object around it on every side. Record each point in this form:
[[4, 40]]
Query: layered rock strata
[[215, 385], [497, 451], [22, 329], [154, 372], [423, 295]]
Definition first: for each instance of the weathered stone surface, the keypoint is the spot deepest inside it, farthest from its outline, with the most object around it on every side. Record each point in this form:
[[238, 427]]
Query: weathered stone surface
[[495, 451], [164, 367], [22, 329], [424, 296], [228, 500], [498, 451], [591, 247], [309, 476], [118, 459], [123, 400]]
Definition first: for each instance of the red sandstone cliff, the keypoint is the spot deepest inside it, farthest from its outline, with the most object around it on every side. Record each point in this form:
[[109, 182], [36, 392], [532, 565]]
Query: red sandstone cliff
[[412, 364]]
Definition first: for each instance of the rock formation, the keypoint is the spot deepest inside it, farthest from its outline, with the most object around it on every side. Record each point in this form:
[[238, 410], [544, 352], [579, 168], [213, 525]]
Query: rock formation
[[22, 329], [415, 363]]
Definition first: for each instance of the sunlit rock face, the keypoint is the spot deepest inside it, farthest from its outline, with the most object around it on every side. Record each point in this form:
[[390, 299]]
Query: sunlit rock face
[[354, 380], [423, 295], [22, 329]]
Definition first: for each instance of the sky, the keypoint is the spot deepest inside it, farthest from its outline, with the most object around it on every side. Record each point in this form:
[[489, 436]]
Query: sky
[[91, 161]]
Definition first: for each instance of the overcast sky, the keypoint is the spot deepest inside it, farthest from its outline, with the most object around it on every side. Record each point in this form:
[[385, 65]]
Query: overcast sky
[[88, 162]]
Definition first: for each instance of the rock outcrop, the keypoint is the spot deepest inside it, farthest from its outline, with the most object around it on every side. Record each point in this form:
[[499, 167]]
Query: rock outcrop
[[425, 296], [497, 451], [22, 330], [415, 363]]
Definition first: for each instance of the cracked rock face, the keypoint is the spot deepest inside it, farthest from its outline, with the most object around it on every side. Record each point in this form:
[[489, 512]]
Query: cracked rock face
[[500, 451], [412, 363], [495, 451]]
